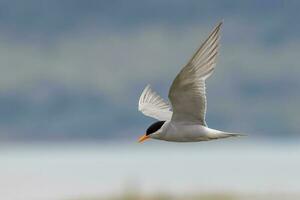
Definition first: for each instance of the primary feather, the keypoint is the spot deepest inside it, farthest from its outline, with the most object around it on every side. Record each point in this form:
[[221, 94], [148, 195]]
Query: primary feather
[[152, 105], [187, 93]]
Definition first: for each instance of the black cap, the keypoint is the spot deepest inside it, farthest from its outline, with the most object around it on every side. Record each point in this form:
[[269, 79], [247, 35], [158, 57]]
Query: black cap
[[154, 127]]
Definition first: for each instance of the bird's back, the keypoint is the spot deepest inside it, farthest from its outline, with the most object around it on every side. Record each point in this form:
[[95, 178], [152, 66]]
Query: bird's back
[[187, 132], [184, 132]]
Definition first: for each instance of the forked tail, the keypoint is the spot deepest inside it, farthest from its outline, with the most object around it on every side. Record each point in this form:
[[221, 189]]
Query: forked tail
[[226, 134]]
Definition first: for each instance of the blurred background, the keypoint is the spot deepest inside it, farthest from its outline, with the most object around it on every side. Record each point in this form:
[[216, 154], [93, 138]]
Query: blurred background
[[71, 75]]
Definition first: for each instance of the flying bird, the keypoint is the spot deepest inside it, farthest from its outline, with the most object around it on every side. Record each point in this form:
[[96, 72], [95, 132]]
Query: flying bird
[[184, 119]]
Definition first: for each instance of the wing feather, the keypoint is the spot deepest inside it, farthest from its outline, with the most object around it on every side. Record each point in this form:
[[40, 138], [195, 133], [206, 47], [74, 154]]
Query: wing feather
[[188, 93], [152, 105]]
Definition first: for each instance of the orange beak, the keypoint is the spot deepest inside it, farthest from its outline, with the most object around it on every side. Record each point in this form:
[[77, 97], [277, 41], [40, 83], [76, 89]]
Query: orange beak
[[143, 138]]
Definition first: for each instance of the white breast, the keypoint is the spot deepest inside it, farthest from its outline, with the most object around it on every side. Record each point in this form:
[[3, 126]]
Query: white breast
[[182, 132]]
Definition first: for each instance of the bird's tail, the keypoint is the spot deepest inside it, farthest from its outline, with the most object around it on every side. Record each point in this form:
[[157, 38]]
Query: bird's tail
[[216, 134], [226, 134]]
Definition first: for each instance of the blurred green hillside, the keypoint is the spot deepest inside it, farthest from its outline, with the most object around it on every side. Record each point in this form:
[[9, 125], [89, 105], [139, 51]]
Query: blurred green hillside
[[75, 71]]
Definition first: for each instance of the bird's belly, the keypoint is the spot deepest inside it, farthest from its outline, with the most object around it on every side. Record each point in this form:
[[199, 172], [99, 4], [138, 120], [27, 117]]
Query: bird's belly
[[186, 133]]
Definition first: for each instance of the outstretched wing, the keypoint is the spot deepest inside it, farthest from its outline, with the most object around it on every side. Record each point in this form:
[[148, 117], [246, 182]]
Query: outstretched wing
[[187, 93], [152, 105]]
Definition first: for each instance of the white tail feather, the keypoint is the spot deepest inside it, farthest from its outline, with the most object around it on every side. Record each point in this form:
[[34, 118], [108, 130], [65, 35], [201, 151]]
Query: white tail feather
[[226, 134]]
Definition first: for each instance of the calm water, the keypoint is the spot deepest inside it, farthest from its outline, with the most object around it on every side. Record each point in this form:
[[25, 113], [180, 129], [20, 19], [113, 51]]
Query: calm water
[[60, 171]]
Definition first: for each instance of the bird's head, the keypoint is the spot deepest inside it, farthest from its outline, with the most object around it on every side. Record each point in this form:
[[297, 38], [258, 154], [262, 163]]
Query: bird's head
[[153, 131]]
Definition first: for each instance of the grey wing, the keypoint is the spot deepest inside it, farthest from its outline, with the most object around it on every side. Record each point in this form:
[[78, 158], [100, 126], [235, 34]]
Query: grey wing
[[187, 93], [152, 105]]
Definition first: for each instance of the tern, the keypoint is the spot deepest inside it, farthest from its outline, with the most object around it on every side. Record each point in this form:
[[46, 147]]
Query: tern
[[184, 119]]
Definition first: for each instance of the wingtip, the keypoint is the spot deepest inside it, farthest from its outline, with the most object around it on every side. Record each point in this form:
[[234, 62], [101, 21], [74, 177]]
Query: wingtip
[[148, 86], [220, 24], [145, 90], [217, 28]]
